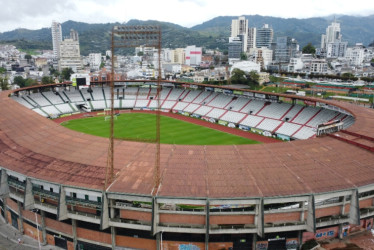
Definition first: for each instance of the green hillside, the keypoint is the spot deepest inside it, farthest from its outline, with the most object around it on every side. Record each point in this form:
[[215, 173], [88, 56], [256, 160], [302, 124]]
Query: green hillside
[[210, 34]]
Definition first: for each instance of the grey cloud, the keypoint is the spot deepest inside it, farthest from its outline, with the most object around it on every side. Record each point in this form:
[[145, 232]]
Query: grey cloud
[[19, 10]]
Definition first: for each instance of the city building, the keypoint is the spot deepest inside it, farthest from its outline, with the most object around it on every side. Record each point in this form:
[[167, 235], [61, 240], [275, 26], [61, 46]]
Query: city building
[[318, 66], [74, 35], [94, 60], [355, 55], [239, 28], [70, 55], [246, 66], [262, 56], [264, 36], [332, 45], [285, 48], [56, 38], [179, 56], [252, 36], [235, 47], [193, 55]]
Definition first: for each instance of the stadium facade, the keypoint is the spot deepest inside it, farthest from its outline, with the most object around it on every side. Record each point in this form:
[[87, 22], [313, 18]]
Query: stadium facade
[[265, 196]]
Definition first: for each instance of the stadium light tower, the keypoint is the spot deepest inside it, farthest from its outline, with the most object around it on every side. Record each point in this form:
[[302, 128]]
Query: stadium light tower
[[131, 37]]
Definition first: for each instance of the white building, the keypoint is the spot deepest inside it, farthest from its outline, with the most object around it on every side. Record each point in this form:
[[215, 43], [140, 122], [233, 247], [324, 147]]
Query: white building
[[246, 66], [331, 42], [70, 55], [318, 66], [193, 55], [108, 53], [262, 56], [295, 65], [252, 37], [355, 55], [239, 28], [56, 38], [167, 55], [94, 60], [332, 35]]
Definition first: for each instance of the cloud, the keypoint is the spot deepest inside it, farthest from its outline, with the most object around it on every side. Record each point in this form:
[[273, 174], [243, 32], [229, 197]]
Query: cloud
[[35, 14]]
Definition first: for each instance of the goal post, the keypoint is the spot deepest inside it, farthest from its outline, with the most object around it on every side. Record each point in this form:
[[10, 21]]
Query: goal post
[[107, 115]]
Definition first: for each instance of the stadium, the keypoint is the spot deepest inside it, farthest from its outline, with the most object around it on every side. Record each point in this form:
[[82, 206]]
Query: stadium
[[251, 196]]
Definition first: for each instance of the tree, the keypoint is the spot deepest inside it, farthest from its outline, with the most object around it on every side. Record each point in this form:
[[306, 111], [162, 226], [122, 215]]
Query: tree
[[47, 80], [309, 49], [66, 73], [238, 76], [19, 81], [4, 83], [28, 58], [243, 56], [2, 70], [254, 77]]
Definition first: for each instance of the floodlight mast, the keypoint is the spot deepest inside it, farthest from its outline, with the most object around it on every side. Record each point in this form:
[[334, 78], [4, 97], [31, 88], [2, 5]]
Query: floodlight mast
[[127, 37]]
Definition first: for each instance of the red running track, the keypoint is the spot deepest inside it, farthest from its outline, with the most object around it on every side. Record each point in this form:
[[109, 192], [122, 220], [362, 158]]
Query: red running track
[[234, 131]]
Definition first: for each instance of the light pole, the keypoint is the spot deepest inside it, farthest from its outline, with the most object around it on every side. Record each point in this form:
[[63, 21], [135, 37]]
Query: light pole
[[37, 226]]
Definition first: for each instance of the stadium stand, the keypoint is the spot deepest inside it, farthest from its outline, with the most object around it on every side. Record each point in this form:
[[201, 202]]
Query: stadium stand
[[263, 196]]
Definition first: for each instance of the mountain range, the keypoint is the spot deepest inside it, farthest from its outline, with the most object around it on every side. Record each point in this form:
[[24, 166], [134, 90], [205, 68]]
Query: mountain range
[[210, 34]]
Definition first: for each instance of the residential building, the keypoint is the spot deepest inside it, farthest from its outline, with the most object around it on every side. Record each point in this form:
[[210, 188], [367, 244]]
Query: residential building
[[70, 55], [94, 60], [318, 66], [56, 38], [332, 45], [252, 36], [355, 55], [295, 65], [262, 56], [74, 35], [179, 56], [239, 28], [263, 77], [264, 36]]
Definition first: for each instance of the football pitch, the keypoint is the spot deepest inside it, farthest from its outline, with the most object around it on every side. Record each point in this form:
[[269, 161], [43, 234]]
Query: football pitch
[[142, 127]]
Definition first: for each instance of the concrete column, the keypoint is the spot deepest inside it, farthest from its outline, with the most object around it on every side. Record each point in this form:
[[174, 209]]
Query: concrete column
[[20, 217], [5, 210], [342, 209], [4, 187], [155, 216], [113, 234], [311, 217], [62, 210], [300, 238], [260, 218], [74, 225], [254, 241], [104, 219], [354, 211], [28, 199], [158, 241], [207, 218], [44, 233], [302, 215]]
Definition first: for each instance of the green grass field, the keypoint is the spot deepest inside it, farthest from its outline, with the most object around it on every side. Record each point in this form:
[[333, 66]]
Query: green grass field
[[140, 126]]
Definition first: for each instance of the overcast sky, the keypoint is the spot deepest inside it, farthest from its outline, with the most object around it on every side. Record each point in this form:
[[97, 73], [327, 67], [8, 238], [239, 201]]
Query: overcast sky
[[36, 14]]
